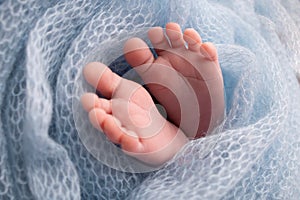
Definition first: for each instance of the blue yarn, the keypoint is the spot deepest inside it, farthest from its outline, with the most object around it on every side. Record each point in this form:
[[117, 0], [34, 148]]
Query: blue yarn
[[43, 47]]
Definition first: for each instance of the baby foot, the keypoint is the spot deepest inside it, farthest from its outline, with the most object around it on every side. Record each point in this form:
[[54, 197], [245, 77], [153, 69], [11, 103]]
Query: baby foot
[[194, 61], [129, 117]]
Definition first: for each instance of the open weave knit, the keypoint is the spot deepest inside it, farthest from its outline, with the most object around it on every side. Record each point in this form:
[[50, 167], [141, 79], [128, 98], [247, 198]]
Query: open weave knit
[[43, 48]]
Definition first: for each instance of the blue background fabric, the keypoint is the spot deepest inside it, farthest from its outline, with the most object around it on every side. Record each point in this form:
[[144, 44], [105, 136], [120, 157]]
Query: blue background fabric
[[43, 48]]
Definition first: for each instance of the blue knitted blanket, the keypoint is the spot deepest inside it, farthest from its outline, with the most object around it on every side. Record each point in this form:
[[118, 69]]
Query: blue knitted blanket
[[43, 48]]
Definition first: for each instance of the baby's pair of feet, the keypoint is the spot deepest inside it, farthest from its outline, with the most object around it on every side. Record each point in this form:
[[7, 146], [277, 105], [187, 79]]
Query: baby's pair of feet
[[185, 78]]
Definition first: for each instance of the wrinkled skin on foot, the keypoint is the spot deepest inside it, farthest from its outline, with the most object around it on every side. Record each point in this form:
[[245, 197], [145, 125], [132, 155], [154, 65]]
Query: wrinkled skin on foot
[[197, 63], [129, 117], [185, 78]]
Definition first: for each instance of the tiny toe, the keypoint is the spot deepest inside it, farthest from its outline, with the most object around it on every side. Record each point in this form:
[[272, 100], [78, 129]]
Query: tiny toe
[[93, 72], [209, 51], [174, 34], [89, 101], [112, 129], [106, 123], [193, 39], [96, 116], [101, 78], [105, 105], [158, 39], [137, 52]]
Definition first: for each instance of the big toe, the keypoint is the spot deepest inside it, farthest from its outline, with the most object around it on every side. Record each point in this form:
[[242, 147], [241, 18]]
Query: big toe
[[137, 52]]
